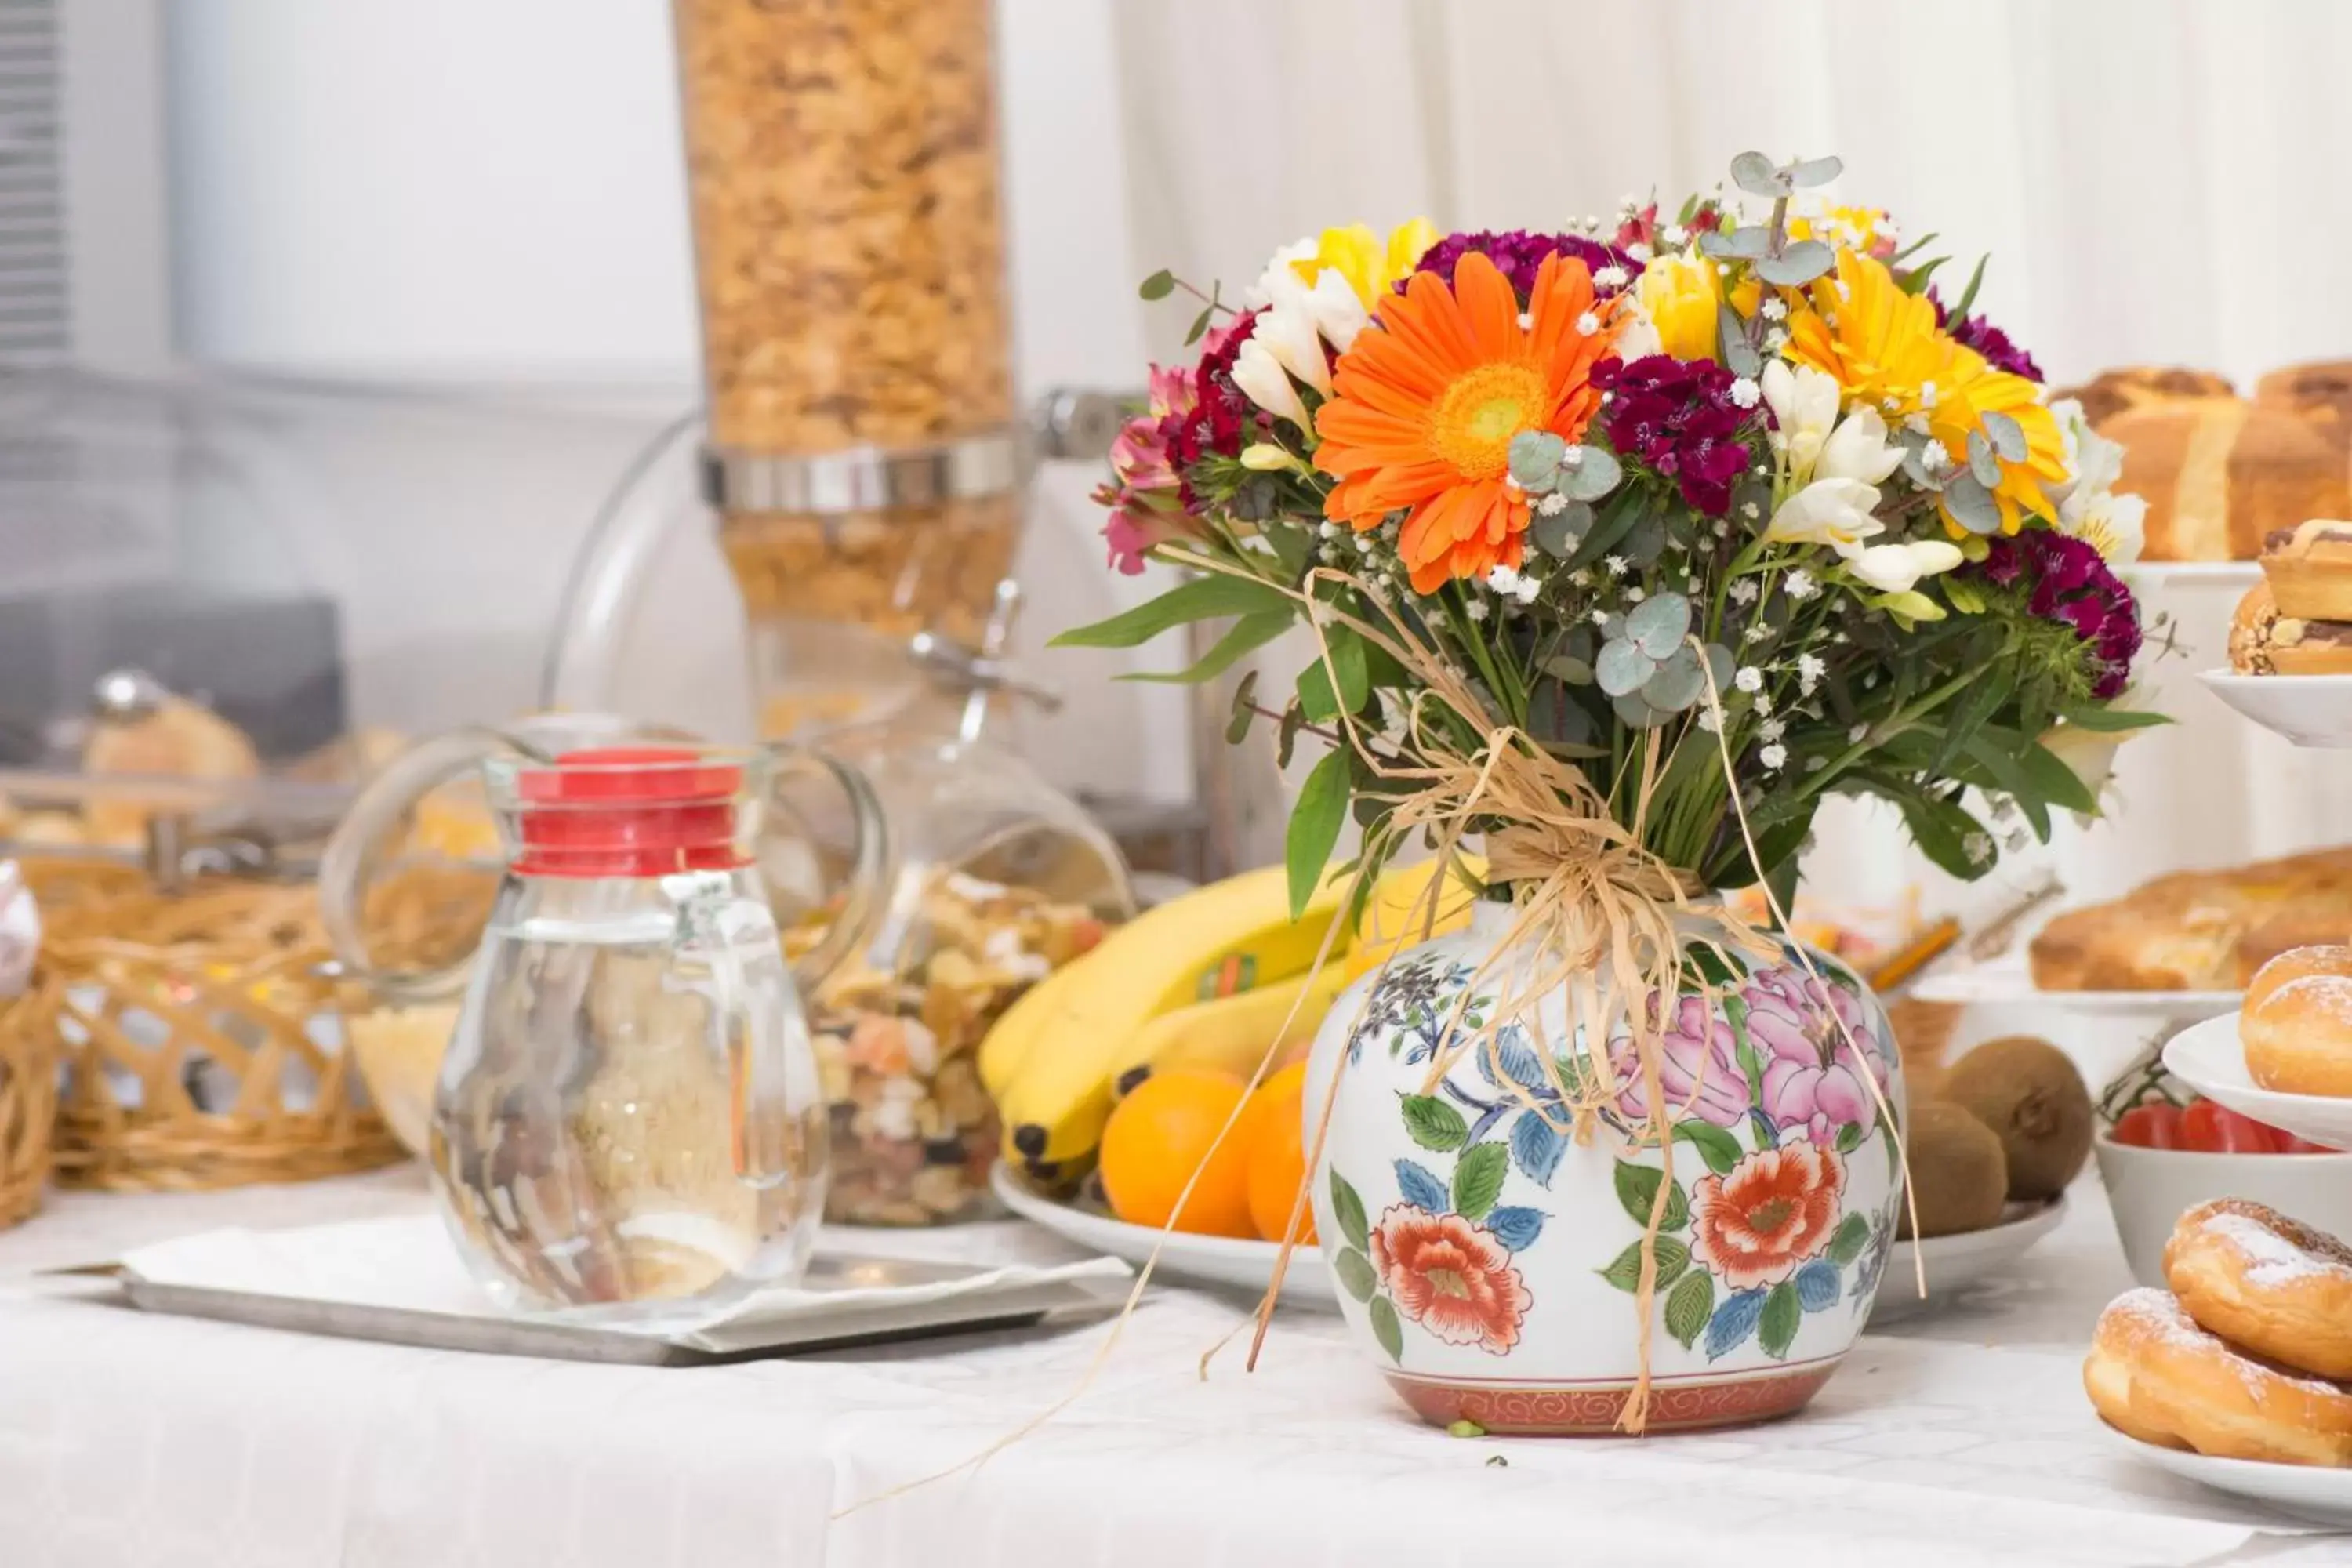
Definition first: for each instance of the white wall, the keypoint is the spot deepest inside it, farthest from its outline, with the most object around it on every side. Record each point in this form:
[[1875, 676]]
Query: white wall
[[490, 192]]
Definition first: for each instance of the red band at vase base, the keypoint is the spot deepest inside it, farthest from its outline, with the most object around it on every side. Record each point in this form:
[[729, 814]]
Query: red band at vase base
[[1591, 1410]]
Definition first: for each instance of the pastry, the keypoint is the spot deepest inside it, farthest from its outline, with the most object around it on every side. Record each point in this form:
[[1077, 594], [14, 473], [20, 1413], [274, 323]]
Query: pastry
[[2298, 1039], [2296, 964], [2176, 455], [2181, 932], [2282, 933], [2264, 642], [176, 740], [2309, 570], [2270, 1284], [2134, 386], [2323, 387], [2253, 629], [2156, 1374]]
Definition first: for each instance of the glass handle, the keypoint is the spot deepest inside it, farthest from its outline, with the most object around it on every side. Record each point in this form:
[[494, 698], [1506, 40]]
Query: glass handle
[[347, 869], [869, 859]]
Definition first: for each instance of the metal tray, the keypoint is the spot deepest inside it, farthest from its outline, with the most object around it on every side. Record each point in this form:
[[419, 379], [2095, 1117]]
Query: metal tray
[[1013, 1307]]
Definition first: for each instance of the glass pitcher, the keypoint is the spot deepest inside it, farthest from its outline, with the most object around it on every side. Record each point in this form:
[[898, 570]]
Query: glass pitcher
[[629, 1123]]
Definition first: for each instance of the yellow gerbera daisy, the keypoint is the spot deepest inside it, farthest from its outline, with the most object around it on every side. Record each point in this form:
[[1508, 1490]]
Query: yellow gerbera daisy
[[1880, 345]]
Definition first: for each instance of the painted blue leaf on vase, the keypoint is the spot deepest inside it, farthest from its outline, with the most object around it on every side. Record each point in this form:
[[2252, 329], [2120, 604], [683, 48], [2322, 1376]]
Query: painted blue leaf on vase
[[1817, 1285], [1518, 1063], [1515, 1228], [1734, 1322], [1537, 1147], [1421, 1189]]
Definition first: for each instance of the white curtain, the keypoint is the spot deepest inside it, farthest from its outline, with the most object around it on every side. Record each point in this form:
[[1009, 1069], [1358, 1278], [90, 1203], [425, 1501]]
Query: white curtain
[[2156, 181]]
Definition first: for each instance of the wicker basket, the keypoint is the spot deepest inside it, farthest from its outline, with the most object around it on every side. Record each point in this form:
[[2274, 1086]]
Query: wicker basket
[[28, 1100], [200, 1035]]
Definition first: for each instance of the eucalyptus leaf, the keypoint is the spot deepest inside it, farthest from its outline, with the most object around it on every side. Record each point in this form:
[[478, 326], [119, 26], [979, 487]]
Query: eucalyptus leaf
[[1636, 714], [1569, 669], [1716, 245], [1560, 532], [1535, 457], [1750, 243], [1758, 175], [1797, 264], [1591, 477], [1739, 355], [1971, 504], [1646, 542], [1918, 472], [1982, 461], [1721, 665], [1159, 285], [1657, 625], [1624, 667], [2008, 437], [1557, 719], [1679, 683], [1808, 172]]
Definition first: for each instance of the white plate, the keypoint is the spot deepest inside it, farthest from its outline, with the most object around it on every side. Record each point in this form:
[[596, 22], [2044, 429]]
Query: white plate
[[2309, 709], [2208, 1060], [1195, 1259], [2003, 984], [1956, 1262], [2191, 574], [2315, 1493]]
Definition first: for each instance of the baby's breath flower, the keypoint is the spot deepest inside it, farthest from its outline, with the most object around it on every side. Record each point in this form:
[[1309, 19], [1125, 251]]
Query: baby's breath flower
[[1617, 565], [1809, 671], [1743, 591], [1775, 311], [1639, 252], [1477, 610], [1587, 324], [1552, 505], [1978, 847], [1774, 757], [1772, 729], [1749, 678], [1745, 392], [1800, 584], [1609, 277]]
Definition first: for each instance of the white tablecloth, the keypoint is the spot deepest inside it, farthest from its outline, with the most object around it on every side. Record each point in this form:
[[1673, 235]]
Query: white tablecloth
[[1960, 1438]]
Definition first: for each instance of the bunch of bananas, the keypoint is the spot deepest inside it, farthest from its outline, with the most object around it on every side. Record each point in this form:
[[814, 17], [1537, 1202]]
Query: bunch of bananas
[[1203, 981]]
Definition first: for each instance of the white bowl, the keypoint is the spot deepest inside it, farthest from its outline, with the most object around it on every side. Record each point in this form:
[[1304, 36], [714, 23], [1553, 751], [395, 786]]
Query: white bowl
[[2211, 1059], [2309, 709], [2149, 1189]]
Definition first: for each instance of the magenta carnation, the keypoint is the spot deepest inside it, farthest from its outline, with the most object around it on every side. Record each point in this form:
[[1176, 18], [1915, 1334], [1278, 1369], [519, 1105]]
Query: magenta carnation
[[1223, 420], [1677, 417], [2067, 581], [1518, 255], [1976, 332]]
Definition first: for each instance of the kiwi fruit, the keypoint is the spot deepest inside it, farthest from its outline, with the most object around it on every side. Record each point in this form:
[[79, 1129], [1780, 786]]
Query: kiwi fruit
[[1959, 1178], [2035, 1101]]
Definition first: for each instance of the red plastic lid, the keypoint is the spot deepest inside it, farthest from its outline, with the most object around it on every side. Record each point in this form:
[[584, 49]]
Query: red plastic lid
[[629, 811]]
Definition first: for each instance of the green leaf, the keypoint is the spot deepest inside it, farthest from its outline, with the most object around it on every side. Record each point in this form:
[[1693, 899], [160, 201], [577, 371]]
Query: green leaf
[[1968, 295], [2108, 720], [1200, 327], [2006, 434], [1479, 1178], [1941, 829], [1244, 636], [1718, 1148], [1202, 599], [1847, 1241], [1850, 1137], [1961, 595], [1558, 532], [1810, 171], [1159, 285], [1433, 1123], [1739, 355], [1689, 1307], [1624, 1270], [1969, 501], [1917, 279], [1386, 1329], [1285, 737], [1637, 1191], [2059, 784], [1995, 751], [1314, 825], [1355, 1272], [1658, 625], [1782, 1313], [1243, 712], [1350, 1208], [1606, 530], [1758, 176], [1797, 264], [1984, 463], [1592, 476], [1315, 698]]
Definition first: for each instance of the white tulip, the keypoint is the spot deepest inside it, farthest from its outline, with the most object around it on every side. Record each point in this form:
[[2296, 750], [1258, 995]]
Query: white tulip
[[1835, 512], [1804, 404], [1893, 568], [1858, 450], [1288, 333], [1337, 314], [1264, 381]]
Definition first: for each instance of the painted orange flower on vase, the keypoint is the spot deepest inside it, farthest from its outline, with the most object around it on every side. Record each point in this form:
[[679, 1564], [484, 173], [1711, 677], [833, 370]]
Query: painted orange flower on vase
[[1452, 1276], [1773, 1211], [1425, 403]]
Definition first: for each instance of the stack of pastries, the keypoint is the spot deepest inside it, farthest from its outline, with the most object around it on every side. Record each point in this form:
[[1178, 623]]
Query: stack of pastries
[[2244, 1357], [2198, 931], [2298, 620], [2222, 473], [2296, 1024]]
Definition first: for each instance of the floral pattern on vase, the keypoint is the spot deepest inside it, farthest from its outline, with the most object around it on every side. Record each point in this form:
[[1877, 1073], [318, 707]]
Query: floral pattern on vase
[[1484, 1250]]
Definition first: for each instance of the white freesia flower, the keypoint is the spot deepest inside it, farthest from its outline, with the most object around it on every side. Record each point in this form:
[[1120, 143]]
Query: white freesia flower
[[1857, 449], [2088, 507], [1893, 568], [1328, 305], [1804, 404], [1261, 294], [2090, 754], [1289, 334], [1637, 335], [1264, 381], [1835, 512]]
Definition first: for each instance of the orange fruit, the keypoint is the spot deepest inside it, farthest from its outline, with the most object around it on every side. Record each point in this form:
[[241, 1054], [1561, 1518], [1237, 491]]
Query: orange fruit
[[1277, 1154], [1160, 1134]]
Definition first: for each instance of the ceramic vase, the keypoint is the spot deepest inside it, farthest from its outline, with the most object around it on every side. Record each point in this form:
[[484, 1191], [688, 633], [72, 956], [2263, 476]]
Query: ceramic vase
[[1489, 1262]]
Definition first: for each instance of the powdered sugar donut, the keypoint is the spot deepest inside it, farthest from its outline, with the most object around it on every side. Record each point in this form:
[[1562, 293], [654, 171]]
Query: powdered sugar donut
[[2272, 1284], [2154, 1375], [2298, 1037]]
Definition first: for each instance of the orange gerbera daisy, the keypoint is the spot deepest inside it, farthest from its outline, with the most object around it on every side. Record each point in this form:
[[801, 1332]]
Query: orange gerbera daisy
[[1425, 405]]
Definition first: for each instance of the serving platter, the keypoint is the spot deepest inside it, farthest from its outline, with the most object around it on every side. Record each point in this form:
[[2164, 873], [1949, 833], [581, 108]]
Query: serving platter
[[2007, 982], [1954, 1263], [2312, 710], [2239, 575], [2314, 1493], [1222, 1262], [2210, 1059]]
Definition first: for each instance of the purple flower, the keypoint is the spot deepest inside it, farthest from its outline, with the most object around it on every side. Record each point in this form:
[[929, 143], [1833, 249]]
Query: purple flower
[[1677, 417], [1698, 1070], [1976, 332], [2068, 582], [1518, 255], [1813, 1079]]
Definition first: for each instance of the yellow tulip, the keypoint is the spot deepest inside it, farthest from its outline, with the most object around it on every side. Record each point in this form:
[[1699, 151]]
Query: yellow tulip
[[1681, 295], [1371, 269]]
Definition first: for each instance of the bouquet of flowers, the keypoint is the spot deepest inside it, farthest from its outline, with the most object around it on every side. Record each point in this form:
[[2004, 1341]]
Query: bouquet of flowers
[[1721, 511]]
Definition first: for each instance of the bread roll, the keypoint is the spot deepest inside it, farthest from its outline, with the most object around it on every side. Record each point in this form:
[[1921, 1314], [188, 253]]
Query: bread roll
[[2181, 932], [2136, 387]]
